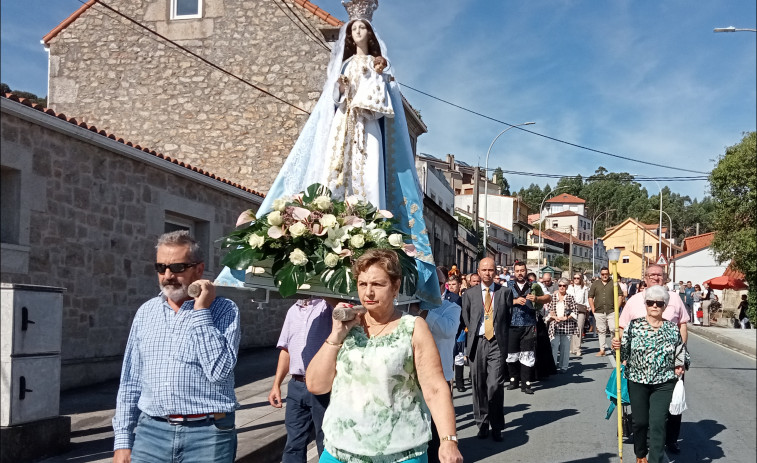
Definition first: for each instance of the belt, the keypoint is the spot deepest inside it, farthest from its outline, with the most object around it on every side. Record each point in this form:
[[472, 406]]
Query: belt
[[300, 378], [176, 419]]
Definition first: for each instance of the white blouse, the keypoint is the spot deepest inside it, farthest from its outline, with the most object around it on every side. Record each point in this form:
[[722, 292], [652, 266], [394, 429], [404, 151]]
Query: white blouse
[[579, 293]]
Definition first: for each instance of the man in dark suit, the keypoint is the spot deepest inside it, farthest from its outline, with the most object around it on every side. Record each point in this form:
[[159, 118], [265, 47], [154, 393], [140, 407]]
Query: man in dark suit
[[486, 312]]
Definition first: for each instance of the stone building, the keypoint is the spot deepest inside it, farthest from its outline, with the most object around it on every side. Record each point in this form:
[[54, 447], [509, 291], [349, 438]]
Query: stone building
[[82, 210], [113, 73]]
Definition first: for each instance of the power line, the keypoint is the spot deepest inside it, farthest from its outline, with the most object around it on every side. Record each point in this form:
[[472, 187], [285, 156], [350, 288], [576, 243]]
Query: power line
[[309, 33], [317, 40], [551, 138], [189, 52]]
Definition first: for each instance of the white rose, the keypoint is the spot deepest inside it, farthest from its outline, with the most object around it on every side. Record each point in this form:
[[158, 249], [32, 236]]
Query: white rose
[[395, 239], [331, 260], [378, 234], [297, 257], [357, 241], [279, 204], [274, 219], [322, 202], [297, 229], [256, 241], [328, 220]]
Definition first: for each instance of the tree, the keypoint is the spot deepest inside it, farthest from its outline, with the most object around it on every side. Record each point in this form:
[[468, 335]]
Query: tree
[[504, 185], [5, 88], [561, 262], [733, 184], [533, 196]]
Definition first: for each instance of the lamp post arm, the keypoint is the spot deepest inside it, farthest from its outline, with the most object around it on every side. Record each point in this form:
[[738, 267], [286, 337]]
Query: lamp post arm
[[486, 181]]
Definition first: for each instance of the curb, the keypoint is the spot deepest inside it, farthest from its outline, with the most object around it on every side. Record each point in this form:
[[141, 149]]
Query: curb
[[720, 336]]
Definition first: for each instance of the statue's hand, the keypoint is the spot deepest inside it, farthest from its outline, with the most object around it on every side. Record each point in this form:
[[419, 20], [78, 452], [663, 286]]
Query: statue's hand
[[379, 64]]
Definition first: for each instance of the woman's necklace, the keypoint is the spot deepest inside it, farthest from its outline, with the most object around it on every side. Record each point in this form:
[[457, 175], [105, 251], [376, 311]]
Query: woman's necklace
[[391, 319]]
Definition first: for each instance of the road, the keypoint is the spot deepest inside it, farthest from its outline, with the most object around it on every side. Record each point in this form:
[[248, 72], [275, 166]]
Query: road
[[564, 420]]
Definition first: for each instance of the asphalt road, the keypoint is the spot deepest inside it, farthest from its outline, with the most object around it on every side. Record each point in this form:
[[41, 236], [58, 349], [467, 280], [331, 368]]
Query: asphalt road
[[564, 420]]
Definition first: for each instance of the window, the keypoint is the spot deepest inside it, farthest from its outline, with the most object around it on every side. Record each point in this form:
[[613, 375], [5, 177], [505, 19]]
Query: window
[[626, 259], [10, 210], [197, 228], [647, 249], [554, 224], [186, 9]]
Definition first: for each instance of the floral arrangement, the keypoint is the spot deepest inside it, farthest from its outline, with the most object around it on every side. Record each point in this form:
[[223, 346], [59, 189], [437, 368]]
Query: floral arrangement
[[311, 236]]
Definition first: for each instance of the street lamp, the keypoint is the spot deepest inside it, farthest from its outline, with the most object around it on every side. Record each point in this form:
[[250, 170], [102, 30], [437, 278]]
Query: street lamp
[[541, 237], [486, 176], [659, 234], [613, 255], [593, 269], [732, 29]]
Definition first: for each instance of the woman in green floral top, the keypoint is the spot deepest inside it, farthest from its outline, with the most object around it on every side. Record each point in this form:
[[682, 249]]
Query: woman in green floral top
[[655, 355], [385, 377]]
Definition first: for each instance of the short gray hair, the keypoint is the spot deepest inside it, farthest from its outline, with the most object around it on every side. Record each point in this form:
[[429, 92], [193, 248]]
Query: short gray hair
[[182, 238], [563, 281], [657, 293]]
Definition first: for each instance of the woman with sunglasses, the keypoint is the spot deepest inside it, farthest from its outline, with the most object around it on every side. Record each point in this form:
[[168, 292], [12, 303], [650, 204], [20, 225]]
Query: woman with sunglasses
[[580, 293], [655, 355], [697, 297], [561, 319]]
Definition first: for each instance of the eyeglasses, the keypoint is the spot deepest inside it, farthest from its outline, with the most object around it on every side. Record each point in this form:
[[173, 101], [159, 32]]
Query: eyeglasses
[[604, 274], [174, 268], [659, 304], [562, 286], [577, 278], [656, 275]]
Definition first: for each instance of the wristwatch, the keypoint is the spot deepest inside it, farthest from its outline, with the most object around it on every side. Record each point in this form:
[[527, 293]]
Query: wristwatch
[[452, 438]]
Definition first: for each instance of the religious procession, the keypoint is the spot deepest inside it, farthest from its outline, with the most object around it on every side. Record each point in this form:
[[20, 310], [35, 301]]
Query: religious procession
[[328, 293]]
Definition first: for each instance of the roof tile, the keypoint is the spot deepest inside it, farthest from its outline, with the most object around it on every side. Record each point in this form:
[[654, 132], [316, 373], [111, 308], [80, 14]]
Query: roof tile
[[566, 198]]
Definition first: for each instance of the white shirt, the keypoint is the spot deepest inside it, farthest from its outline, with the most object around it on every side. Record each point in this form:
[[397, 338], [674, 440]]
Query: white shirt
[[443, 323], [481, 327], [579, 293]]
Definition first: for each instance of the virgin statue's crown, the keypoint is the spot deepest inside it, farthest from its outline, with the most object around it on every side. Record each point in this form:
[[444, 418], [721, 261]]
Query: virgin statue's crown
[[360, 9]]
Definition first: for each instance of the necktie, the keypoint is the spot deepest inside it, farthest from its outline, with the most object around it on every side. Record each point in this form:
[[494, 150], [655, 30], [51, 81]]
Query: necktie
[[488, 316]]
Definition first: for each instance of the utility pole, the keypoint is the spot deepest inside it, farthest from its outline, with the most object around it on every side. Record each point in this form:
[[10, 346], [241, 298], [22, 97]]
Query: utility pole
[[697, 228], [643, 251], [570, 253], [476, 174]]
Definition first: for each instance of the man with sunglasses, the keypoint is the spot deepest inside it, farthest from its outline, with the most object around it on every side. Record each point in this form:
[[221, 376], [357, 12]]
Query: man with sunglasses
[[676, 313], [602, 305], [176, 399]]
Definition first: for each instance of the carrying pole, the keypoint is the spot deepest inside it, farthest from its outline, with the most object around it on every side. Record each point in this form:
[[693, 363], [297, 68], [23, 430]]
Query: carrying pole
[[614, 265]]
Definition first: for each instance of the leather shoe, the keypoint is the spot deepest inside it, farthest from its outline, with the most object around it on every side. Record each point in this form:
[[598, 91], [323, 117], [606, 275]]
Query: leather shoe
[[461, 389], [496, 435], [513, 386], [673, 448], [527, 389], [483, 432]]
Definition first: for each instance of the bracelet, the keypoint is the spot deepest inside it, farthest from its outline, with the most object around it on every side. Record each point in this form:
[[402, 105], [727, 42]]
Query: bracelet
[[333, 343], [452, 438]]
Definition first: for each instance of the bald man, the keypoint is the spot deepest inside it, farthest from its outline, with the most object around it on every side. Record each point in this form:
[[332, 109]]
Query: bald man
[[486, 313]]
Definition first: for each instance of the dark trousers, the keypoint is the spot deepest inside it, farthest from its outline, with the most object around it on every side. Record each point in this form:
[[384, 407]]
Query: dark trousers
[[649, 404], [304, 412], [673, 429], [488, 379]]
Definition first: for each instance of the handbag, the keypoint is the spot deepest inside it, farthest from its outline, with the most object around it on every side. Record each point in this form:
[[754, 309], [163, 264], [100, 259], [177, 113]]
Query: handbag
[[611, 390], [678, 402], [700, 313], [627, 422], [582, 308]]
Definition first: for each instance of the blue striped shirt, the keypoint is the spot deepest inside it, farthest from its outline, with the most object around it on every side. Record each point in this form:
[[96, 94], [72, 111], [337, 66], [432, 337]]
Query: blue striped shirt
[[177, 363]]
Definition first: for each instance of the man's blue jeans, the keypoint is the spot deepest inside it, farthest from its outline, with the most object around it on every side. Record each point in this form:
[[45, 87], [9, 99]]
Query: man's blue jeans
[[304, 412], [210, 441]]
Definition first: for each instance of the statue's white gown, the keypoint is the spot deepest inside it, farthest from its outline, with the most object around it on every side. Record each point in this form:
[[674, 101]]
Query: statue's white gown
[[353, 163]]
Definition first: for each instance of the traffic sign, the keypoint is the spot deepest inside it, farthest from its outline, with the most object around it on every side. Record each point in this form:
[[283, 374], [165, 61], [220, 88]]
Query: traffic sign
[[662, 260]]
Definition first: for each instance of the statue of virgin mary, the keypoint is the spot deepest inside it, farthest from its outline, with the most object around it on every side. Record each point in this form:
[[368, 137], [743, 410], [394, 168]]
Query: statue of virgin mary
[[356, 143]]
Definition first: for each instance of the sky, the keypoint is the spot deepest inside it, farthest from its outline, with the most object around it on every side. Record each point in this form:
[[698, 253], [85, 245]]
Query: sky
[[646, 80]]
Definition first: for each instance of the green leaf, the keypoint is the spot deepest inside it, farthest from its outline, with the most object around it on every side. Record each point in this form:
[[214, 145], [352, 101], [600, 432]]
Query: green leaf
[[313, 191], [289, 278]]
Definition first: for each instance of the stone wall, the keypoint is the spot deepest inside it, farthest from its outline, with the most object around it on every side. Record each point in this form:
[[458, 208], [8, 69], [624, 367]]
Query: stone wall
[[94, 218], [124, 80]]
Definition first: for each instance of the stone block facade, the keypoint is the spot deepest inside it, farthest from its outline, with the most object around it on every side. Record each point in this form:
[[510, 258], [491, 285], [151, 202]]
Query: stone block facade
[[88, 211], [125, 80]]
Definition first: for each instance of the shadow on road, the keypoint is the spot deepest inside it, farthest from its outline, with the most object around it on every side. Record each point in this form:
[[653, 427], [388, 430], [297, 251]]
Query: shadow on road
[[699, 445]]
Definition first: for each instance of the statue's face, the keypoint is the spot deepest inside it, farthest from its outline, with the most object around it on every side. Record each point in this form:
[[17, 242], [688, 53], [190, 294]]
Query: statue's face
[[359, 32]]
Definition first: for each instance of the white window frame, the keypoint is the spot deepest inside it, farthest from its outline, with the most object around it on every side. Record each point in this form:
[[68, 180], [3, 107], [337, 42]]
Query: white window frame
[[626, 260], [174, 6], [199, 229]]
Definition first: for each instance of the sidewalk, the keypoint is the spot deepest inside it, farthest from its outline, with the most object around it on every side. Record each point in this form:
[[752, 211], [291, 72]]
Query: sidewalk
[[260, 427], [744, 341]]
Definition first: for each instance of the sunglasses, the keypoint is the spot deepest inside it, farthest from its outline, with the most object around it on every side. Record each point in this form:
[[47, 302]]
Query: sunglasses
[[659, 304], [562, 286], [174, 268]]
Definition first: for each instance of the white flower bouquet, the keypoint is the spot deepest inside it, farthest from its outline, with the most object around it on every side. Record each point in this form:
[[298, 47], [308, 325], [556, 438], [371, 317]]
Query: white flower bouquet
[[311, 236]]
